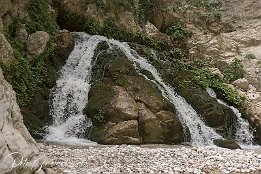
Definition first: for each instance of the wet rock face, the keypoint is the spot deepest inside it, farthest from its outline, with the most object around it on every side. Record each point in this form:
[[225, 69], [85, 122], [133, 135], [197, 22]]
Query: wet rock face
[[126, 108], [15, 140], [65, 44], [212, 113]]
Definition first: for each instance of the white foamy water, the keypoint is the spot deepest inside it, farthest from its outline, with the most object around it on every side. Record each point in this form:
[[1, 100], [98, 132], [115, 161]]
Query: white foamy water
[[244, 135], [71, 94]]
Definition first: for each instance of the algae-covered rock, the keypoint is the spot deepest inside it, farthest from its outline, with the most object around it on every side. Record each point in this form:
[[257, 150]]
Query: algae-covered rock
[[143, 91], [110, 103], [230, 144]]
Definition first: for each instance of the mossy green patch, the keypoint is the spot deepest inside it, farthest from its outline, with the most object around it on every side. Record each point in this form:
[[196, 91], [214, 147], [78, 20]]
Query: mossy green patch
[[234, 71], [206, 79], [177, 32], [41, 18], [26, 77]]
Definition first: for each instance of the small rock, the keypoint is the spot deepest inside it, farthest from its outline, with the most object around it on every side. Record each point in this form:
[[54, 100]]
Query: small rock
[[41, 172], [242, 84], [22, 33], [50, 171], [230, 144], [252, 88], [216, 72]]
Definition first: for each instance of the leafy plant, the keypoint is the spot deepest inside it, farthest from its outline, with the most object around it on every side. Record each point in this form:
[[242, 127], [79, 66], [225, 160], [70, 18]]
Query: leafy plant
[[110, 29], [234, 71], [205, 79], [40, 17], [177, 32], [250, 56], [99, 117], [119, 2], [25, 76]]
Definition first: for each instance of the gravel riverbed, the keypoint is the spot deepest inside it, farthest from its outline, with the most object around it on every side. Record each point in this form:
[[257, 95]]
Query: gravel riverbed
[[152, 159]]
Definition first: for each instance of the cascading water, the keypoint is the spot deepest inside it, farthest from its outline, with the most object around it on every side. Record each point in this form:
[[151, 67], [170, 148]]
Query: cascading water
[[244, 135], [71, 92], [70, 95], [200, 133]]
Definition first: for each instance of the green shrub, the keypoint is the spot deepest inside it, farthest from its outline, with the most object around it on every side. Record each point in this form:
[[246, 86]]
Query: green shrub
[[234, 71], [177, 32], [204, 78], [26, 77], [40, 17], [110, 29], [99, 117], [250, 56]]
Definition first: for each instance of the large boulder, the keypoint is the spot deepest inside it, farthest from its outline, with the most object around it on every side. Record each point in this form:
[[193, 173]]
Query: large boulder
[[15, 140], [37, 44], [151, 132], [125, 107], [172, 127], [126, 132], [241, 84], [162, 127]]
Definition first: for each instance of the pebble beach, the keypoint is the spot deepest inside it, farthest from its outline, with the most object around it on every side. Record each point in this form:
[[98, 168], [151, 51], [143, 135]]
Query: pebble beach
[[151, 159]]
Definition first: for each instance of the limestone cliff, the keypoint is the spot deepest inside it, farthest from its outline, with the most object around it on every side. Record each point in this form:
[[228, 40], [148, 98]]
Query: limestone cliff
[[238, 38], [18, 150]]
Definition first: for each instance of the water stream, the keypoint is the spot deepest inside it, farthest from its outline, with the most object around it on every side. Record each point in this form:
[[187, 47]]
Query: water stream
[[70, 95], [244, 134]]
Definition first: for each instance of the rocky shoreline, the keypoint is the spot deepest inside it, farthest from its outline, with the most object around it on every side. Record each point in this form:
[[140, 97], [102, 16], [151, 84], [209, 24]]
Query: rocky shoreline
[[151, 159]]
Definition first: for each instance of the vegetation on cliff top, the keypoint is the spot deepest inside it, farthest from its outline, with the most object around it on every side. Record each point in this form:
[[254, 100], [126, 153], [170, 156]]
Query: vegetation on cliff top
[[25, 76]]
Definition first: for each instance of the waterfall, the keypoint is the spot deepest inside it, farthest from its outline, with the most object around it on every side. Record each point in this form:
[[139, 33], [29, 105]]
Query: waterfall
[[70, 95], [200, 133], [244, 135]]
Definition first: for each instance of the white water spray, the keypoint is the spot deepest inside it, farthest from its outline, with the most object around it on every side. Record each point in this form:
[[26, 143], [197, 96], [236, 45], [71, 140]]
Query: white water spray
[[70, 95]]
